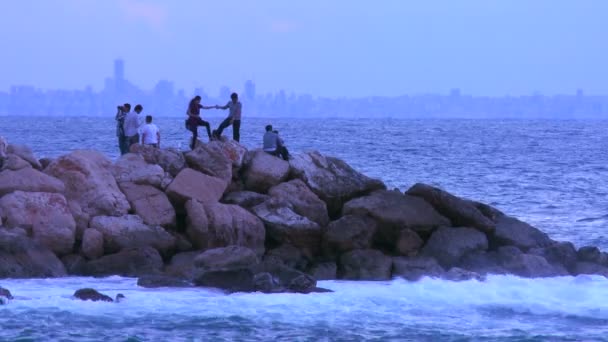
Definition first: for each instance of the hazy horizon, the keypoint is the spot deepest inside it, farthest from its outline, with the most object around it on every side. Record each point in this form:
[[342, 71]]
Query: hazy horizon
[[333, 49]]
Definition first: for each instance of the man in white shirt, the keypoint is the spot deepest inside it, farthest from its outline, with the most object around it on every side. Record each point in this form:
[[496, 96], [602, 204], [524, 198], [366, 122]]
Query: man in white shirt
[[131, 126], [150, 133]]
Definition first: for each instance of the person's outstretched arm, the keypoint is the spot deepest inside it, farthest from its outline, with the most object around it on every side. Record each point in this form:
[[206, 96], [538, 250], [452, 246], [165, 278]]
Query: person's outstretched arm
[[208, 107], [224, 107]]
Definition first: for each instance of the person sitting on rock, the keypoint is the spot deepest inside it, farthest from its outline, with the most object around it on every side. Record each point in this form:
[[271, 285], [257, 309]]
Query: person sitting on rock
[[234, 118], [150, 133], [273, 144], [194, 119]]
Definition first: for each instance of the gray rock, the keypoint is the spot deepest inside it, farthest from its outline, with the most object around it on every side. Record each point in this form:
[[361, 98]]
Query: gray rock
[[333, 180], [92, 295], [348, 233], [225, 258], [415, 268], [245, 199], [22, 257], [365, 264], [264, 171], [461, 212], [132, 262], [449, 245], [394, 211], [513, 232], [324, 271]]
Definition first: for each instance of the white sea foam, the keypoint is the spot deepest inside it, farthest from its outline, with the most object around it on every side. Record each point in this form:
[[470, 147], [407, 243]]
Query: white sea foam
[[501, 306]]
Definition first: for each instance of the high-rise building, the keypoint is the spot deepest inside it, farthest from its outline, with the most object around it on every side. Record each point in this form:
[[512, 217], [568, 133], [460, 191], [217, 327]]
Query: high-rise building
[[249, 91], [119, 76], [119, 69]]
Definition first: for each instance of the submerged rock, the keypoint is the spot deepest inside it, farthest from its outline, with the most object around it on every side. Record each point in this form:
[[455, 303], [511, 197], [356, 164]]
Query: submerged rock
[[95, 296], [5, 295]]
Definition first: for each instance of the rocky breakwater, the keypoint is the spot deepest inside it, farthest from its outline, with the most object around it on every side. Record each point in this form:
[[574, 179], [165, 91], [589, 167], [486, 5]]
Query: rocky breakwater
[[222, 216]]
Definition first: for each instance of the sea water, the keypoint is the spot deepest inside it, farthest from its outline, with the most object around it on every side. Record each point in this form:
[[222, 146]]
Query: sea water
[[552, 174]]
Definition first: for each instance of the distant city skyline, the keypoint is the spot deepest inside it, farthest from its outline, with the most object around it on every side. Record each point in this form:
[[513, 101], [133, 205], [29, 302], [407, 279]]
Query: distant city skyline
[[339, 48], [165, 100]]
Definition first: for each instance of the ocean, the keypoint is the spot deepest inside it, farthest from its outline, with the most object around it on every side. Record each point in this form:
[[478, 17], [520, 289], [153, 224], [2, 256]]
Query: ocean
[[551, 174]]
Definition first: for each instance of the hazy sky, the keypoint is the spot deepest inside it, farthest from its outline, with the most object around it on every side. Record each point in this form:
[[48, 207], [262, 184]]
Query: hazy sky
[[323, 47]]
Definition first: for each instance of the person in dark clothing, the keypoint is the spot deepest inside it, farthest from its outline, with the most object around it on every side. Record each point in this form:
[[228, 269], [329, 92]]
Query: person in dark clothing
[[273, 144], [194, 119], [123, 140], [234, 118]]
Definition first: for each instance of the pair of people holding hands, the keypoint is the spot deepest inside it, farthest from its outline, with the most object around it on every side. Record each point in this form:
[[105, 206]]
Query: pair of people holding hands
[[194, 118]]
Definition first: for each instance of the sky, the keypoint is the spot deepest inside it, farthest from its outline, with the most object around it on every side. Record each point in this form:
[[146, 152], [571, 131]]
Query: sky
[[334, 48]]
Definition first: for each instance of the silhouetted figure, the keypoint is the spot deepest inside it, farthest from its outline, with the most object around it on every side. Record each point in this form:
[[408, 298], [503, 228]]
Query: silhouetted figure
[[234, 118], [194, 119], [150, 134], [120, 132], [3, 147], [273, 144], [131, 126]]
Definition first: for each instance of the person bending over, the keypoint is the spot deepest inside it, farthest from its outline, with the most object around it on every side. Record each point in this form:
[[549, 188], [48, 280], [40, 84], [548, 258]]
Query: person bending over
[[194, 119], [234, 118], [274, 145], [150, 133]]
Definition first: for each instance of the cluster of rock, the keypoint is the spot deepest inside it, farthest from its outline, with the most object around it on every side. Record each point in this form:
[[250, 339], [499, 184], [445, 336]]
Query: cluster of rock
[[222, 216]]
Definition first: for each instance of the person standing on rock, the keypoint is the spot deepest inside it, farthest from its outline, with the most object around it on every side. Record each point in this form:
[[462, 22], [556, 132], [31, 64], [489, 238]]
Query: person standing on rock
[[234, 118], [120, 132], [131, 127], [194, 119], [150, 134], [273, 144], [3, 147]]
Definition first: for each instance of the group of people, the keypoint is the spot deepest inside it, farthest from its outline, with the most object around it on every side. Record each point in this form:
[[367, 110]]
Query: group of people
[[130, 131]]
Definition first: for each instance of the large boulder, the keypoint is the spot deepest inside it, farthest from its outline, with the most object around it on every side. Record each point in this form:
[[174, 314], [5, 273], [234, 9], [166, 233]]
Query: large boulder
[[22, 257], [228, 268], [348, 233], [15, 163], [191, 184], [45, 216], [25, 153], [223, 258], [182, 265], [132, 262], [461, 212], [394, 211], [303, 201], [151, 204], [415, 268], [245, 199], [284, 225], [133, 168], [28, 179], [92, 243], [558, 253], [334, 181], [324, 271], [365, 264], [264, 171], [90, 186], [211, 160], [288, 255], [232, 225], [408, 243], [448, 245], [216, 225], [129, 231], [92, 295], [170, 159], [527, 265], [513, 232]]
